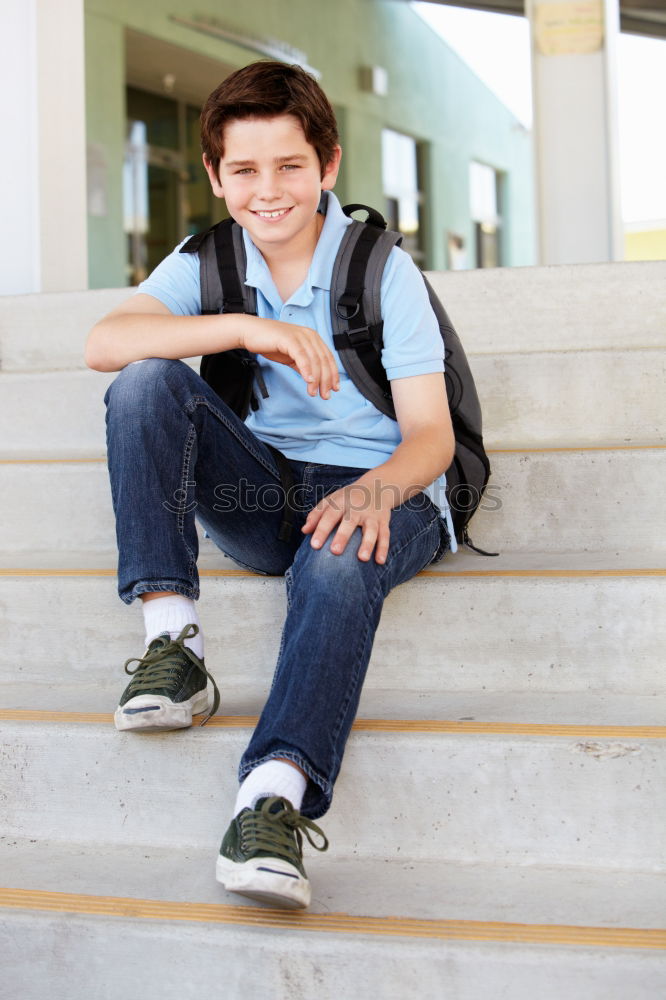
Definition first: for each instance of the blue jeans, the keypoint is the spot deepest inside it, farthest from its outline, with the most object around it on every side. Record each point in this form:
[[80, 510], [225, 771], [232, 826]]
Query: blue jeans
[[177, 452]]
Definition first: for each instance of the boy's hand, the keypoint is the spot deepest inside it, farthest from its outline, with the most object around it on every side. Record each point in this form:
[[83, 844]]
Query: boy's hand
[[298, 347], [355, 506]]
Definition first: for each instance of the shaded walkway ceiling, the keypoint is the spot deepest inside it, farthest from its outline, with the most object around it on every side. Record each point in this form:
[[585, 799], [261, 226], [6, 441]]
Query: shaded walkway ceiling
[[641, 17]]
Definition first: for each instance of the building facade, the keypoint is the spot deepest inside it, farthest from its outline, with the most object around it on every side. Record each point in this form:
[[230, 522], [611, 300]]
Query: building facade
[[424, 140]]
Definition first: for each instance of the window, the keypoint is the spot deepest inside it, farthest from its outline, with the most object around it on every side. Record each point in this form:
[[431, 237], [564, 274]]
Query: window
[[456, 252], [402, 188], [165, 188], [484, 186]]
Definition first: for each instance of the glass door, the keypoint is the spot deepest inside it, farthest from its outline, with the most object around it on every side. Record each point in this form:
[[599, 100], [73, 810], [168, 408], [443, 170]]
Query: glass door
[[167, 196]]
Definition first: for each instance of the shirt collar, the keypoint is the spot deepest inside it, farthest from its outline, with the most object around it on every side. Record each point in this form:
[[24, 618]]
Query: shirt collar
[[321, 268]]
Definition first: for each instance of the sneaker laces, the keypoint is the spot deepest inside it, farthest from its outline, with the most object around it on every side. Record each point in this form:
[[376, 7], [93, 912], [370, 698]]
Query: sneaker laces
[[278, 831], [163, 662]]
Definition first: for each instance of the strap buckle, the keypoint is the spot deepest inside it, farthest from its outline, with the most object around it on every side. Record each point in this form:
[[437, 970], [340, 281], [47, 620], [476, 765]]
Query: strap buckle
[[359, 336]]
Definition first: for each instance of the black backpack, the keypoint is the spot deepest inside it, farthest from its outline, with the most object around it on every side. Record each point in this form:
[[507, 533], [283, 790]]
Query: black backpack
[[357, 336]]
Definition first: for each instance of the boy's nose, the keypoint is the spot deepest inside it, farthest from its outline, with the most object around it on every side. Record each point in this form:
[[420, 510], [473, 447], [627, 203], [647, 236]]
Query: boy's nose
[[269, 189]]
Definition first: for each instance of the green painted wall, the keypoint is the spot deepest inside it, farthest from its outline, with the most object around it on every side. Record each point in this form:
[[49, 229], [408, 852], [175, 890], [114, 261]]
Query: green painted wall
[[105, 114], [433, 96]]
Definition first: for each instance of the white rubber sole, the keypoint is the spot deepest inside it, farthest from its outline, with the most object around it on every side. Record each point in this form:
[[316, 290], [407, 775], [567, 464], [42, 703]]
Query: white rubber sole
[[155, 713], [268, 880]]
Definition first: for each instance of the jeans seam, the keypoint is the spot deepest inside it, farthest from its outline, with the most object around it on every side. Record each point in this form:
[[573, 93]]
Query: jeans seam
[[157, 588], [409, 541], [195, 401], [353, 685], [288, 579], [185, 478], [378, 592]]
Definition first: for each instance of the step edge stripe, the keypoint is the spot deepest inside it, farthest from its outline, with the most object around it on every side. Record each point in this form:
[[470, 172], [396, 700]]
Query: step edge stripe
[[443, 726], [218, 913]]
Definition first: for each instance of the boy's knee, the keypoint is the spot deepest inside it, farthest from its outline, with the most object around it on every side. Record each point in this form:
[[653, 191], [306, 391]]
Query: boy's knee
[[345, 572], [139, 383]]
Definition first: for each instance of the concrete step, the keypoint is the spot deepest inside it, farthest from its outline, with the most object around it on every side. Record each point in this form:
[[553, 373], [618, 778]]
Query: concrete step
[[97, 693], [548, 501], [527, 894], [529, 400], [478, 904], [159, 947], [568, 308], [496, 311], [465, 563], [48, 332], [54, 414], [573, 799], [531, 628], [573, 398]]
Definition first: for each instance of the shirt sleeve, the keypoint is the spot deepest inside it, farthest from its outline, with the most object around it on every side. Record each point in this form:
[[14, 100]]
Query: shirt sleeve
[[413, 343], [175, 282]]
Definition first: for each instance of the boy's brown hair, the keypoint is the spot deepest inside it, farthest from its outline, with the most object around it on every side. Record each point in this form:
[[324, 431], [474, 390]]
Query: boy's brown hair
[[266, 89]]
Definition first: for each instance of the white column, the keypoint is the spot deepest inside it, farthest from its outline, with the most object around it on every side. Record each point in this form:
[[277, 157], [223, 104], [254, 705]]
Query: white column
[[575, 129], [43, 166]]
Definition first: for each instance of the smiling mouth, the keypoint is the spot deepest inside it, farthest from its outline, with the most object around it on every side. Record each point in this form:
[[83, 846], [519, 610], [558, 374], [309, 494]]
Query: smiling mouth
[[276, 213]]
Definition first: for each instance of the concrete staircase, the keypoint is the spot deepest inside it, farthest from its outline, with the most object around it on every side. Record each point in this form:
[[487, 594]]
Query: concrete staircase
[[498, 827]]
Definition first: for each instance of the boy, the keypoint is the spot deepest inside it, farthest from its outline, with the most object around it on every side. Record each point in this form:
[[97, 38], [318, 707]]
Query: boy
[[364, 525]]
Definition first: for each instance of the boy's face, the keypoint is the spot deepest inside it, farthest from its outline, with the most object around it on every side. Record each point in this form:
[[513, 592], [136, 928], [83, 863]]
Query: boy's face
[[270, 178]]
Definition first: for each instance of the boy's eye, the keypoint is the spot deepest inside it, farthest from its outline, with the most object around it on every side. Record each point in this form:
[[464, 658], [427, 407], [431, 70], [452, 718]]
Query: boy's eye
[[244, 170], [290, 166]]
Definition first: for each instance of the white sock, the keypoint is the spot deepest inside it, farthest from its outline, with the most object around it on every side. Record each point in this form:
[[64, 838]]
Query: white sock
[[275, 777], [171, 614]]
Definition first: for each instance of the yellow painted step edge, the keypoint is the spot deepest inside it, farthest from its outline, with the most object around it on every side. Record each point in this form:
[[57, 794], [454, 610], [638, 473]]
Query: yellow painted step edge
[[443, 726], [337, 923]]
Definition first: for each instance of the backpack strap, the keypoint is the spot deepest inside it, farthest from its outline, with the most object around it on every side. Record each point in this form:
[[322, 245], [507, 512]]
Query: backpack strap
[[223, 266], [358, 335], [356, 311], [210, 287], [231, 260]]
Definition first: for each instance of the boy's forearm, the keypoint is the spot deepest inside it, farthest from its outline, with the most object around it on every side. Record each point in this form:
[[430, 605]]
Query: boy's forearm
[[414, 465], [120, 339]]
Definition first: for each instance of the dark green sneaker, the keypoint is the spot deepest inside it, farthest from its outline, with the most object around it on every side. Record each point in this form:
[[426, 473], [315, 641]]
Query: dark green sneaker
[[169, 685], [262, 854]]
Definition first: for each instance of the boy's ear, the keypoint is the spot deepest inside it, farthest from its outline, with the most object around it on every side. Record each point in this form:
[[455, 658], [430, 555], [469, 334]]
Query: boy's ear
[[331, 170], [213, 177]]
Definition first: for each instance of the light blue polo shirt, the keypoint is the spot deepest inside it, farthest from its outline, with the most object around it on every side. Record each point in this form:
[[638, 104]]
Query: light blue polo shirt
[[345, 429]]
